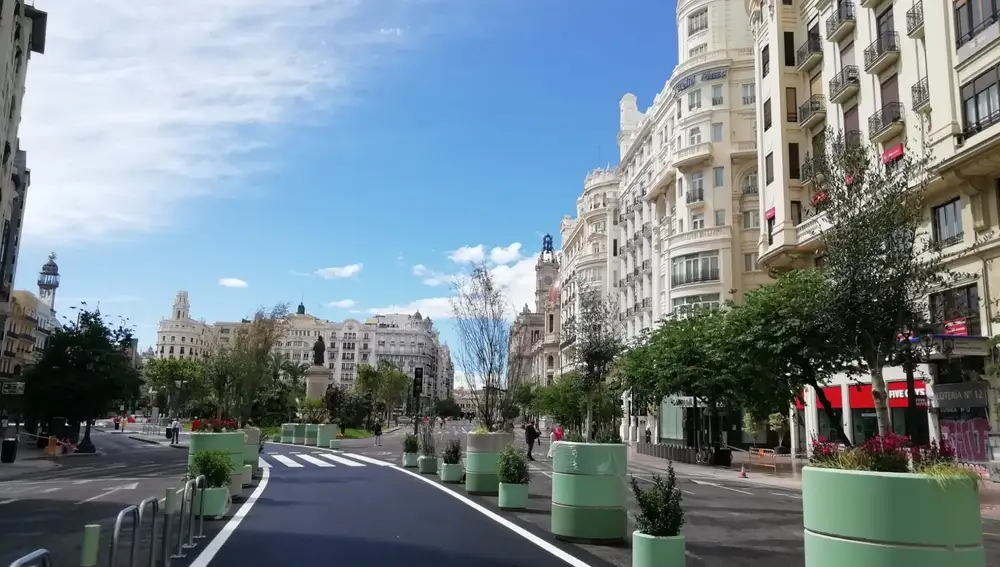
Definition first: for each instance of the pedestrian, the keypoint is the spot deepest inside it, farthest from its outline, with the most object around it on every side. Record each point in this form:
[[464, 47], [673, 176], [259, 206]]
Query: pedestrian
[[530, 436], [175, 431], [377, 433], [649, 436]]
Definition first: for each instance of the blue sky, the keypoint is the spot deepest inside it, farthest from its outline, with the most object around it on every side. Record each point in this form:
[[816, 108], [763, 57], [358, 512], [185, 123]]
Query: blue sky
[[394, 136]]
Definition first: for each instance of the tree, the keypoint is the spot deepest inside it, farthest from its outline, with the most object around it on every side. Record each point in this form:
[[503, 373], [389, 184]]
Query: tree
[[882, 261], [447, 407], [181, 379], [524, 398], [385, 385], [83, 373], [314, 411], [251, 351], [334, 399], [597, 330], [485, 355], [565, 401]]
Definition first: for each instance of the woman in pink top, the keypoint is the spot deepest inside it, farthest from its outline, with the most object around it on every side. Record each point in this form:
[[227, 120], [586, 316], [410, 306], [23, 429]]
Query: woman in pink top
[[556, 436]]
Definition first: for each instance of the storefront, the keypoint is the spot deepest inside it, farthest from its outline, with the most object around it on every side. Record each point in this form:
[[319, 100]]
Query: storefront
[[861, 423]]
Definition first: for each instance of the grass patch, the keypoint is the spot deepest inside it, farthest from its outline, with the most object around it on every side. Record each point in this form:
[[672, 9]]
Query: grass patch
[[353, 433]]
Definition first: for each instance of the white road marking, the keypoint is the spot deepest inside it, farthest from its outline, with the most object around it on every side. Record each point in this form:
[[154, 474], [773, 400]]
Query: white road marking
[[50, 490], [287, 462], [216, 544], [787, 495], [313, 460], [340, 460], [108, 491], [369, 460], [262, 463], [706, 483], [9, 501]]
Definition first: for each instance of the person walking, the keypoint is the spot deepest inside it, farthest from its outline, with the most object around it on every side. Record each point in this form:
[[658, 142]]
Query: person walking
[[530, 436], [556, 436], [377, 433], [175, 432]]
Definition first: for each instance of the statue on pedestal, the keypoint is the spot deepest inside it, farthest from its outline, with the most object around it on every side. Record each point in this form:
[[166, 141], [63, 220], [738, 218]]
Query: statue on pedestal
[[319, 348]]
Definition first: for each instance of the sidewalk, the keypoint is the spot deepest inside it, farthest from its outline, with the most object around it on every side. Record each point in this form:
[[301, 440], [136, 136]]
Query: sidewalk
[[158, 440]]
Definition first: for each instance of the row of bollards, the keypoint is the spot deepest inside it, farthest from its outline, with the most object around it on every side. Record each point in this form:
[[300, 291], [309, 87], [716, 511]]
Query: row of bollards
[[133, 517]]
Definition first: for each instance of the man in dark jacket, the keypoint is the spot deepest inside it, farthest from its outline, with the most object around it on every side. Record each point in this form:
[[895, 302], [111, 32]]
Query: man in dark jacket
[[530, 436]]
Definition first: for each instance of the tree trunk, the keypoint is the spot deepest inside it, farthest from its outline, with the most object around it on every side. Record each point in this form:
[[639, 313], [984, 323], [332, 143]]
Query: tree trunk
[[881, 399], [838, 424], [86, 445], [590, 417]]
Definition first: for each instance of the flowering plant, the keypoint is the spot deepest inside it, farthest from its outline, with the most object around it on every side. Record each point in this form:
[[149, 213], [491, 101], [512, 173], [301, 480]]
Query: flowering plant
[[215, 425], [888, 453], [818, 198]]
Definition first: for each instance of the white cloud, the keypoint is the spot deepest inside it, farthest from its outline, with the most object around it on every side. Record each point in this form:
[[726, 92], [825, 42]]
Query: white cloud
[[432, 278], [468, 254], [501, 255], [137, 109], [337, 272], [232, 282], [342, 304]]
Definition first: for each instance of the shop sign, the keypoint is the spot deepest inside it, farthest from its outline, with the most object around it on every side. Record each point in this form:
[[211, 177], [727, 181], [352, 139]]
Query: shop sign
[[710, 75], [964, 395]]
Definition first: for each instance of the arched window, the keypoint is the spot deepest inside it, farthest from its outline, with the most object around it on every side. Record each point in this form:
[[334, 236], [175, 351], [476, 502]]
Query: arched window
[[549, 362]]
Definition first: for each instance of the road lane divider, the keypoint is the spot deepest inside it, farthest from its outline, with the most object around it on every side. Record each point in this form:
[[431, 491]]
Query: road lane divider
[[706, 483]]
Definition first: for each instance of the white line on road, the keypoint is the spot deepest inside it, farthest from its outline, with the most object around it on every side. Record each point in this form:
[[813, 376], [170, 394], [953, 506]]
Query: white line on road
[[287, 461], [49, 490], [705, 483], [8, 501], [262, 463], [340, 460], [787, 494], [108, 491], [369, 460], [314, 461], [216, 544]]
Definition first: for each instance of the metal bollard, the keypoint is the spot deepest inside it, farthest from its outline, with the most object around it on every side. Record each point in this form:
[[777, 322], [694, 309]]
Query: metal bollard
[[37, 558], [180, 528], [116, 535], [189, 488], [169, 509], [155, 503], [91, 546], [200, 483]]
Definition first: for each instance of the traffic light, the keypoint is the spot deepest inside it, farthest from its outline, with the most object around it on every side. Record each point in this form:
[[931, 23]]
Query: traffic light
[[418, 382]]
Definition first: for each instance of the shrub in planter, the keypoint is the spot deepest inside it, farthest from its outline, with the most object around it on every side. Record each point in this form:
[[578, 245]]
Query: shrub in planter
[[514, 477], [410, 447], [657, 540], [427, 463], [217, 468], [895, 487], [451, 467], [482, 460]]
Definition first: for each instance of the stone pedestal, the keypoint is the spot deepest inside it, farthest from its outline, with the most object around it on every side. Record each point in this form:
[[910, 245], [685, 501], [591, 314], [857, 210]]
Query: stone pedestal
[[317, 379]]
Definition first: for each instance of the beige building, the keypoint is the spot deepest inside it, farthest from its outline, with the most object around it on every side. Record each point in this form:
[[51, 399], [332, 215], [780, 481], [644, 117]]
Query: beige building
[[535, 334], [445, 383], [409, 342]]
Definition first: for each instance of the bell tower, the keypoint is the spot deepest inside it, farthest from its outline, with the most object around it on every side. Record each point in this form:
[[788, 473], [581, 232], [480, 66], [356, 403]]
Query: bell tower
[[48, 282], [546, 272], [182, 307]]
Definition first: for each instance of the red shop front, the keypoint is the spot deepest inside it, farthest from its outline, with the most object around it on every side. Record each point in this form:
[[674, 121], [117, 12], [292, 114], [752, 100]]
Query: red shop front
[[862, 408]]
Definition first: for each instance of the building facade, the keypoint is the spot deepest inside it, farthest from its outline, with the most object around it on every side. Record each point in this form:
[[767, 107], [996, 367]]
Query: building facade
[[445, 384], [410, 342]]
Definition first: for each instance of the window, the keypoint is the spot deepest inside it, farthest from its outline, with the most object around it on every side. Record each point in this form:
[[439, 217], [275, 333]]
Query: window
[[767, 115], [796, 211], [717, 131], [793, 160], [694, 99], [765, 60], [680, 225], [704, 301], [680, 187], [789, 49], [750, 262], [718, 176], [698, 21], [981, 102], [697, 182], [973, 17], [552, 323], [698, 50], [749, 93], [716, 95], [720, 217], [947, 219], [694, 136], [614, 247], [751, 219], [770, 231], [694, 268], [697, 221], [792, 104], [956, 303], [769, 168]]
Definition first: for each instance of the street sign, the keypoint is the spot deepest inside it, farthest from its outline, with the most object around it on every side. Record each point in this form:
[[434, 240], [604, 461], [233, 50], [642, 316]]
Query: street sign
[[12, 388]]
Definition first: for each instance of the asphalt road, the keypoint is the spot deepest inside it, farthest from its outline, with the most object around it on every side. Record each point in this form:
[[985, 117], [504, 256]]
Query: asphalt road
[[48, 508]]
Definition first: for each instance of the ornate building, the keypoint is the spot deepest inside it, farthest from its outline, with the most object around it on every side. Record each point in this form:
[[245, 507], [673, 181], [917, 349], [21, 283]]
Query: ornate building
[[410, 342], [535, 334]]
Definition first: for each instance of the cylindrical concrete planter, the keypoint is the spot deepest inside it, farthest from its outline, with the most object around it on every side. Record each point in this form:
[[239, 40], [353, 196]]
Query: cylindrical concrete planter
[[590, 491], [482, 461], [652, 551], [312, 432], [325, 433], [410, 460], [335, 443], [427, 465], [512, 496], [873, 519], [247, 477], [217, 503], [287, 432], [451, 473], [299, 434], [230, 442], [251, 449]]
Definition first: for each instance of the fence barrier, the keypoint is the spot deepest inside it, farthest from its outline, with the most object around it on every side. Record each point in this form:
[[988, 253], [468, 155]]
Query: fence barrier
[[153, 502], [763, 458], [133, 512], [170, 508], [91, 546], [39, 558]]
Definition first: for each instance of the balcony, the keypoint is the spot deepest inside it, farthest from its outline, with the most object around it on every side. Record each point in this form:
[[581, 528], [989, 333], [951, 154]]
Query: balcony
[[699, 236], [809, 54], [695, 196], [647, 229], [812, 111], [886, 123], [636, 307], [915, 20], [744, 150], [841, 23], [844, 85], [647, 303], [749, 100], [647, 267], [869, 3], [749, 187], [921, 95], [716, 100], [697, 276], [695, 154], [810, 231], [882, 52]]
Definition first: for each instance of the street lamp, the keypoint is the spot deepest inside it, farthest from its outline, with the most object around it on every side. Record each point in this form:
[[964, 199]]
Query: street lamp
[[912, 349]]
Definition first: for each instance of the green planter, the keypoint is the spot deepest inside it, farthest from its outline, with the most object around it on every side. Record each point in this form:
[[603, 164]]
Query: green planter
[[216, 504], [299, 434], [890, 519], [482, 458], [652, 551], [451, 473], [312, 430], [410, 460], [427, 465], [590, 492], [335, 443], [325, 433], [246, 479], [287, 432], [251, 449], [512, 496], [231, 442]]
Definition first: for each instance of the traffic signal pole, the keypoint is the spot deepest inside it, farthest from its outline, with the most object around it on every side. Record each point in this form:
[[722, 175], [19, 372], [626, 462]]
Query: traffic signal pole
[[418, 387]]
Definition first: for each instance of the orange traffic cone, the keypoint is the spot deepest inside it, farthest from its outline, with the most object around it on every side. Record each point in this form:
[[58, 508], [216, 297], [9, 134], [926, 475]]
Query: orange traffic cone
[[743, 471]]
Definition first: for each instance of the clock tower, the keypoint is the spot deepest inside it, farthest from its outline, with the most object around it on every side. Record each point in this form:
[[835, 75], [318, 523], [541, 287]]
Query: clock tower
[[546, 272]]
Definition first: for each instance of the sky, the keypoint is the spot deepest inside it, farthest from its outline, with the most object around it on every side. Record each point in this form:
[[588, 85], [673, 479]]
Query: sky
[[354, 155]]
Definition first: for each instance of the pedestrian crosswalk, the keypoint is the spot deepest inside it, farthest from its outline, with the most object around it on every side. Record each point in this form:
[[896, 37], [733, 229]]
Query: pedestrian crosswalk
[[318, 459]]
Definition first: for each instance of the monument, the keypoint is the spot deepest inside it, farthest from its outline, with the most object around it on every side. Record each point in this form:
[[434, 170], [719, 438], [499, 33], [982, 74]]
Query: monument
[[318, 376]]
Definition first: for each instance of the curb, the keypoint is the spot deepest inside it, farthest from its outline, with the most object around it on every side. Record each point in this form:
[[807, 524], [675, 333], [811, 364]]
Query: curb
[[150, 441]]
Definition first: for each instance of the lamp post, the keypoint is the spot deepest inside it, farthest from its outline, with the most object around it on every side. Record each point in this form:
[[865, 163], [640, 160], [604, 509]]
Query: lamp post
[[911, 350]]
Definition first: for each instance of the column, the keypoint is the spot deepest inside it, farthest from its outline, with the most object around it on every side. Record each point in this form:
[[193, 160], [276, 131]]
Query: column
[[847, 420], [793, 430]]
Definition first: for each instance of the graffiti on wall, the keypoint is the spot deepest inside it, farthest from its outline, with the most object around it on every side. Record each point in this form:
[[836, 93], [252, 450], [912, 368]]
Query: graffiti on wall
[[969, 437]]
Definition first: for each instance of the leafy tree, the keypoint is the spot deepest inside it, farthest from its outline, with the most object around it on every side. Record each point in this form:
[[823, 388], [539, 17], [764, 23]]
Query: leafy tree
[[882, 260], [447, 407], [524, 398], [334, 399], [252, 344], [314, 411], [354, 411], [634, 371], [83, 373], [181, 379], [565, 401], [385, 385], [597, 330]]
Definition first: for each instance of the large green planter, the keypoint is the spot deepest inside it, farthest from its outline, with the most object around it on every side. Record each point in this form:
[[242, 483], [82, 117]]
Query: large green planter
[[482, 461], [287, 432], [410, 460], [451, 473], [651, 551], [216, 503], [335, 443], [590, 491], [312, 431], [512, 496], [231, 442], [872, 519], [251, 449], [427, 465], [326, 433], [299, 434]]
